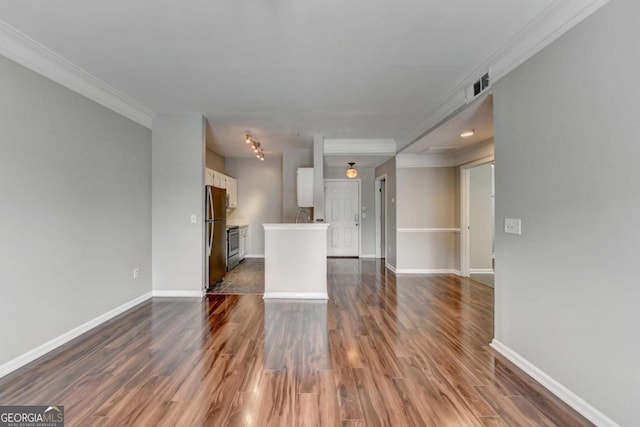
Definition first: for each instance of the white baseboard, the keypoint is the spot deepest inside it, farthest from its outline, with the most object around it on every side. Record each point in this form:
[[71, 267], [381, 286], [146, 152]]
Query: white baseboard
[[368, 256], [457, 272], [181, 294], [49, 346], [254, 256], [389, 267], [296, 295], [480, 271], [563, 393], [427, 271]]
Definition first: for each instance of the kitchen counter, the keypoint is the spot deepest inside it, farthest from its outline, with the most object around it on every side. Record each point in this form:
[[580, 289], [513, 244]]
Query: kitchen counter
[[229, 226], [295, 261]]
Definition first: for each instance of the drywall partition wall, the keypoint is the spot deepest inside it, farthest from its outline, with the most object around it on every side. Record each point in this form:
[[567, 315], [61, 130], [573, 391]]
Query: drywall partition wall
[[367, 208], [426, 219], [178, 194], [291, 161], [481, 218], [566, 137], [389, 169], [214, 161], [318, 179], [259, 196], [75, 212]]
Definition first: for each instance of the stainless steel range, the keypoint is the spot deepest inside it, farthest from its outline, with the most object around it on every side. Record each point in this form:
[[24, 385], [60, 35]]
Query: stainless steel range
[[233, 247]]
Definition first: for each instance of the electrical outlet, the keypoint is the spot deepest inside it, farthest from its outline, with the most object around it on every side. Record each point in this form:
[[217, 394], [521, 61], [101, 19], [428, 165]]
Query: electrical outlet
[[513, 226], [136, 273]]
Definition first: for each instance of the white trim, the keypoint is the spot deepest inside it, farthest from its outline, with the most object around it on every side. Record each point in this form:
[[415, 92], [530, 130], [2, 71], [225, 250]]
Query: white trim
[[427, 271], [296, 295], [297, 226], [562, 392], [378, 213], [428, 230], [367, 256], [360, 147], [389, 267], [465, 213], [51, 345], [547, 26], [26, 51], [481, 271], [254, 256], [161, 293]]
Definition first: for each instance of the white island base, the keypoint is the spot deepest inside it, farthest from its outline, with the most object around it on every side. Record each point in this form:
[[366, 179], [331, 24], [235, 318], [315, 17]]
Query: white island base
[[295, 261]]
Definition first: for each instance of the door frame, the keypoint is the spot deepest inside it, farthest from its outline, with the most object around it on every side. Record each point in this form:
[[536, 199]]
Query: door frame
[[465, 212], [359, 181], [378, 213]]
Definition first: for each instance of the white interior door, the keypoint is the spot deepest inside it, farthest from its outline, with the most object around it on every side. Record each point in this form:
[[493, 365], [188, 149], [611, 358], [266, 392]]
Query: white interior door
[[342, 212]]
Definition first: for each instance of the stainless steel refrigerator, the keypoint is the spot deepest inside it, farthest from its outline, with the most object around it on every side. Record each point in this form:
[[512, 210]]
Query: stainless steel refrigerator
[[216, 233]]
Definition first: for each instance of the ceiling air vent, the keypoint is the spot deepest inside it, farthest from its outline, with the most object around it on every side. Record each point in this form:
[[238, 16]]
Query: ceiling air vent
[[477, 88]]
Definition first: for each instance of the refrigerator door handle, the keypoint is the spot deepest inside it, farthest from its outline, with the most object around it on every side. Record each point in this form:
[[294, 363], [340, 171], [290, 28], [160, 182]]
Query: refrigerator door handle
[[210, 199], [212, 229]]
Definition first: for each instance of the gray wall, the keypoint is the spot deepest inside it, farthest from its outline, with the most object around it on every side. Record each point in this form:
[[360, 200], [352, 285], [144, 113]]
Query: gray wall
[[259, 196], [426, 199], [178, 192], [389, 168], [566, 137], [75, 186], [480, 217], [214, 161], [367, 199], [291, 161]]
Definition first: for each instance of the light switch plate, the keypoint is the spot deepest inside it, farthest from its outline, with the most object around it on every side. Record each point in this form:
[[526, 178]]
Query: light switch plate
[[513, 226], [194, 219]]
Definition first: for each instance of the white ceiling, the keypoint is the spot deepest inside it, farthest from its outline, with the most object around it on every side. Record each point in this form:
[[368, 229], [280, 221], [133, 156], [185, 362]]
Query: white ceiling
[[282, 69], [446, 137]]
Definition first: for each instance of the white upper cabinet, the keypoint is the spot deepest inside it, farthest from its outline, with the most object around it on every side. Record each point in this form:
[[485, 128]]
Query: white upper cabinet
[[221, 180], [232, 191], [208, 177]]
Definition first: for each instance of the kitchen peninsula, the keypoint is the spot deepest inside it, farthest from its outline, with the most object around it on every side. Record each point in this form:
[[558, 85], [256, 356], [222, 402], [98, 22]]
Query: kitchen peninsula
[[295, 261]]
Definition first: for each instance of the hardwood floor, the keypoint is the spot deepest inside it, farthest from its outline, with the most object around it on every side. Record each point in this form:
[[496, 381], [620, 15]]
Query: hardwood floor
[[246, 278], [381, 351]]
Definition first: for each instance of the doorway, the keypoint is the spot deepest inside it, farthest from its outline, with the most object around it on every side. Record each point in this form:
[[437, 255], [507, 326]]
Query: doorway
[[381, 217], [342, 212], [478, 216]]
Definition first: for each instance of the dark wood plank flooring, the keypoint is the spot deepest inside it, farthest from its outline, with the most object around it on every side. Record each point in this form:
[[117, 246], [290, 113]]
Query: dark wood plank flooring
[[380, 352], [246, 278]]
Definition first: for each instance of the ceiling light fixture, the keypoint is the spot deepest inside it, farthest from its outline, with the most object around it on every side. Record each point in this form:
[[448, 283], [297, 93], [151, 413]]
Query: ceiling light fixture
[[351, 172], [468, 133], [255, 145]]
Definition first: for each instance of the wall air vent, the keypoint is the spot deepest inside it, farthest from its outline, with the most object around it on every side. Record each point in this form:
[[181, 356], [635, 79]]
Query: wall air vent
[[478, 87]]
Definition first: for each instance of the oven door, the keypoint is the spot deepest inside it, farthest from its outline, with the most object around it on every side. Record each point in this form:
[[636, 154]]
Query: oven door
[[233, 248]]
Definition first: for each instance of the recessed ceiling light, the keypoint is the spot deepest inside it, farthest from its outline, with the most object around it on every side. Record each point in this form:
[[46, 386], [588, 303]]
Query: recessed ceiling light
[[468, 133]]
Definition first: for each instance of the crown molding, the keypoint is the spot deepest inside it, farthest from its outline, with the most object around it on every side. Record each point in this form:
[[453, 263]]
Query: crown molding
[[31, 54], [362, 147], [558, 18]]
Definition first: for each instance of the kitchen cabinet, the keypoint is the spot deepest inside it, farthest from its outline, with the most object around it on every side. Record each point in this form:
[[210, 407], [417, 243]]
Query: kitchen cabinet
[[231, 185], [221, 180], [244, 247], [208, 177]]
